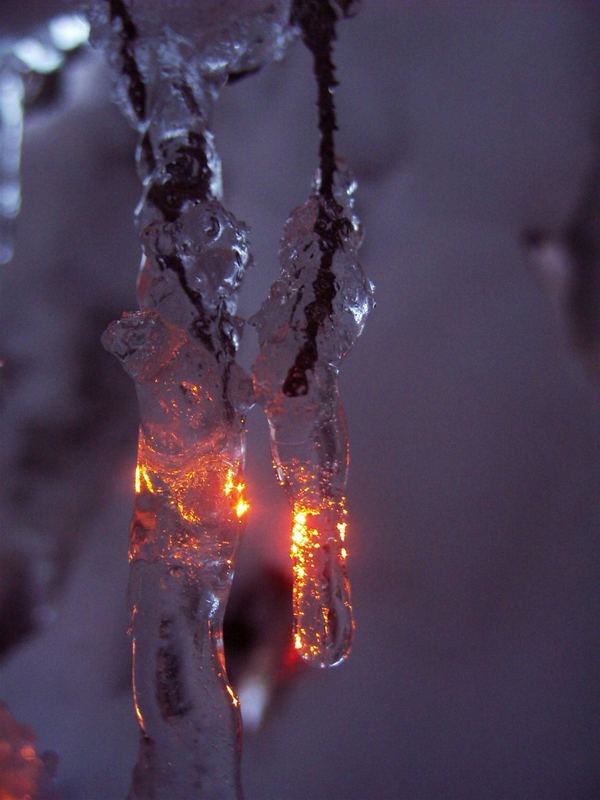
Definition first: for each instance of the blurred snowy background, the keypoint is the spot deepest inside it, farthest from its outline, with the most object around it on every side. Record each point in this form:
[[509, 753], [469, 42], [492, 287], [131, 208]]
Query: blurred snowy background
[[475, 479]]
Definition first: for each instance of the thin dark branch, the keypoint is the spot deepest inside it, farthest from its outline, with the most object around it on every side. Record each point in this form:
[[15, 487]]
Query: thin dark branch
[[128, 33], [317, 20]]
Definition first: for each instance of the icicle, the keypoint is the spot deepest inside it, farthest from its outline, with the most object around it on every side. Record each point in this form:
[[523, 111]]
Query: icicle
[[190, 500], [11, 135], [24, 63], [313, 315], [180, 349]]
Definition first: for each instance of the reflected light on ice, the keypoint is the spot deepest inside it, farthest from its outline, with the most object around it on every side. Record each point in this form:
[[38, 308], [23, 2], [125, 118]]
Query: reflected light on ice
[[37, 56], [69, 31]]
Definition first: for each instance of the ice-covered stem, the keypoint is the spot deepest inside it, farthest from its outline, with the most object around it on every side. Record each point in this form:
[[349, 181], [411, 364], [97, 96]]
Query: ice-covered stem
[[127, 32], [317, 20], [171, 60], [190, 726], [567, 263], [312, 317], [308, 431], [330, 228], [189, 508]]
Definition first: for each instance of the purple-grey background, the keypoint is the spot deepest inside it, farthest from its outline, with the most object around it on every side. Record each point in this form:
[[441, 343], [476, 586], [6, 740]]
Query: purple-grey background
[[475, 479]]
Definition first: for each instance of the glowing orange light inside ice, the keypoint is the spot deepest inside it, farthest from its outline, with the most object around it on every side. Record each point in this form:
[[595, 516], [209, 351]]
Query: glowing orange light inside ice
[[183, 487], [303, 543], [313, 528], [230, 488], [229, 484], [142, 479], [241, 507], [233, 696], [136, 705]]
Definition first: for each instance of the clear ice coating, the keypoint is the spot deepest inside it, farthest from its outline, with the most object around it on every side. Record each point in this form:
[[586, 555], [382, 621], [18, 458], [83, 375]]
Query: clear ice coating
[[189, 498], [314, 313], [169, 51], [171, 59]]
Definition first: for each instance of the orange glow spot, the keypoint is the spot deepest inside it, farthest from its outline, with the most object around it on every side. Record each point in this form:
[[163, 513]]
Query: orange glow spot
[[136, 705], [313, 527], [138, 713], [27, 752], [241, 505], [197, 489], [232, 694], [229, 484], [298, 536], [241, 508], [191, 389], [142, 479]]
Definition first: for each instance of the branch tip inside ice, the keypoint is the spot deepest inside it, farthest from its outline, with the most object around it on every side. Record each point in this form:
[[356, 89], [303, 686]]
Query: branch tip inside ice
[[306, 326], [311, 319]]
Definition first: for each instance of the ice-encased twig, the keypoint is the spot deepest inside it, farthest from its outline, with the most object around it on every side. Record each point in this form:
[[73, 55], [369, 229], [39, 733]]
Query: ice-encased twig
[[189, 491], [311, 319], [185, 529], [313, 315], [171, 60]]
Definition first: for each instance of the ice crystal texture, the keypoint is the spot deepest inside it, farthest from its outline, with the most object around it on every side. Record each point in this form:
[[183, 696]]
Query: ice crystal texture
[[311, 319], [171, 59], [189, 501], [173, 53]]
